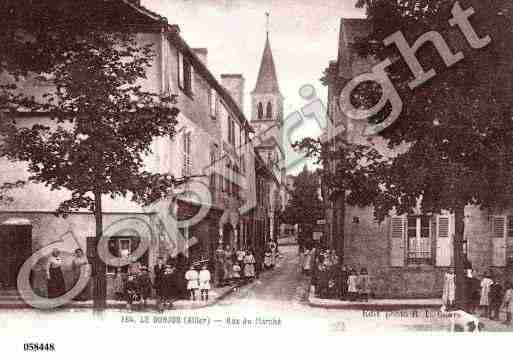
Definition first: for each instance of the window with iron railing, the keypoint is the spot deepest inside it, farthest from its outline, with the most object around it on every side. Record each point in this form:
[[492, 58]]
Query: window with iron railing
[[419, 241]]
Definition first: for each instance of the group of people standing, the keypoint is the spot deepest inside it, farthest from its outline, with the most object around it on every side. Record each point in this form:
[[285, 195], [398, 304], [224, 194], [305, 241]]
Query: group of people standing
[[56, 284], [173, 280], [236, 265], [242, 265], [333, 280], [486, 296]]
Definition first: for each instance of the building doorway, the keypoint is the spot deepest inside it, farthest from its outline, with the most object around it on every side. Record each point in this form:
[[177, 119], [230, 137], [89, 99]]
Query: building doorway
[[15, 249]]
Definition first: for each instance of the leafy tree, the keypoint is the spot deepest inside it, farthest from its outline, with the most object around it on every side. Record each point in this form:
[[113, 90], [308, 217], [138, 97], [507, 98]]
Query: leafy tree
[[305, 206], [457, 125], [353, 172], [102, 125]]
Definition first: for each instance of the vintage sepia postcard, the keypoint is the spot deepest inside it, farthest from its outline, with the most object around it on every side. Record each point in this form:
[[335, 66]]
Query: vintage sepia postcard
[[173, 171]]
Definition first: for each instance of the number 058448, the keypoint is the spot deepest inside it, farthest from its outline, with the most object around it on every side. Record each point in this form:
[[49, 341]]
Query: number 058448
[[39, 347]]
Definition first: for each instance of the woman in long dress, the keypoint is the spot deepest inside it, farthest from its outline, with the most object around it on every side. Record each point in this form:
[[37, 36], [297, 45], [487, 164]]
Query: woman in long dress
[[484, 302], [56, 284], [228, 265], [449, 290], [78, 265], [307, 264]]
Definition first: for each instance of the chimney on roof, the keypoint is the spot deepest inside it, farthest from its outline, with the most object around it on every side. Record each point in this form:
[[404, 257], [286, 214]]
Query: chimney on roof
[[202, 53], [234, 84]]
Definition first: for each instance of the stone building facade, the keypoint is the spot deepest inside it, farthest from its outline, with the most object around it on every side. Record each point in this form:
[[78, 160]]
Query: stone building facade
[[405, 255], [211, 128]]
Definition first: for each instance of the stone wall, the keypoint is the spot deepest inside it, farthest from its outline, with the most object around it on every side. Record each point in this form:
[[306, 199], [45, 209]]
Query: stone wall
[[367, 245]]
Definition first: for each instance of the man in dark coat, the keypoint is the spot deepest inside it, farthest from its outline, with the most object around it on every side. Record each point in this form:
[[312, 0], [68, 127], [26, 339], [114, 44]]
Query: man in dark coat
[[181, 284], [342, 282], [496, 295]]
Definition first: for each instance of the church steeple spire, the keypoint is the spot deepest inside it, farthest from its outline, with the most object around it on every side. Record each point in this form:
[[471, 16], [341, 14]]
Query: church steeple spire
[[267, 81], [267, 25]]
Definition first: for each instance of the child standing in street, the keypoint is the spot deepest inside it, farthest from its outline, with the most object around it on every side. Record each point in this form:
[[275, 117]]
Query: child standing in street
[[249, 266], [204, 282], [191, 276], [486, 283], [132, 291], [268, 263], [364, 285], [352, 285], [236, 274]]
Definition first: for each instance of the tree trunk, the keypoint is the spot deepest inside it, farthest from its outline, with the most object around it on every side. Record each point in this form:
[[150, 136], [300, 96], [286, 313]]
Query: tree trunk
[[459, 267], [100, 280]]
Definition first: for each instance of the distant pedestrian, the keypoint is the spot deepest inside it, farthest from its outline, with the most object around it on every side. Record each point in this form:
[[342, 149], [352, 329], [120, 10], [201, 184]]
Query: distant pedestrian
[[191, 276], [484, 303], [239, 255], [236, 275], [307, 266], [268, 262], [301, 261], [228, 265], [249, 266], [322, 279], [204, 282], [507, 303], [352, 285], [342, 282]]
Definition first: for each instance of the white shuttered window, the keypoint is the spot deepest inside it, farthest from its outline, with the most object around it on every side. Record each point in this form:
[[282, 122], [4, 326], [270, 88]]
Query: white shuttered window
[[443, 241], [499, 241], [397, 241]]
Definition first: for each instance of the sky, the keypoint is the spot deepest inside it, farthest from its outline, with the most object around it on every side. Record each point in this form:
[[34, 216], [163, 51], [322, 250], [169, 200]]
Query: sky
[[303, 35]]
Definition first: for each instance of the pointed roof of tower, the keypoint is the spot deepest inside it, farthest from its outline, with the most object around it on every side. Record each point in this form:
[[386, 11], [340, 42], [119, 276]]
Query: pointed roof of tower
[[267, 81]]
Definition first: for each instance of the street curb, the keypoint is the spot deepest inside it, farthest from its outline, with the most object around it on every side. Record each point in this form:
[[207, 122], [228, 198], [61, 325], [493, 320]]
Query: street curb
[[78, 305], [369, 305]]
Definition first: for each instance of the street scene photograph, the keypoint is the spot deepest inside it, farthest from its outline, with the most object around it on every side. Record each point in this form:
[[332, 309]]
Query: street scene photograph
[[187, 166]]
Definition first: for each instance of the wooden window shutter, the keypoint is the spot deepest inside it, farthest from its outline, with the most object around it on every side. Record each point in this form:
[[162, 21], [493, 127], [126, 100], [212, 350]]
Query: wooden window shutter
[[397, 241], [187, 161], [499, 241], [179, 61], [443, 241]]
